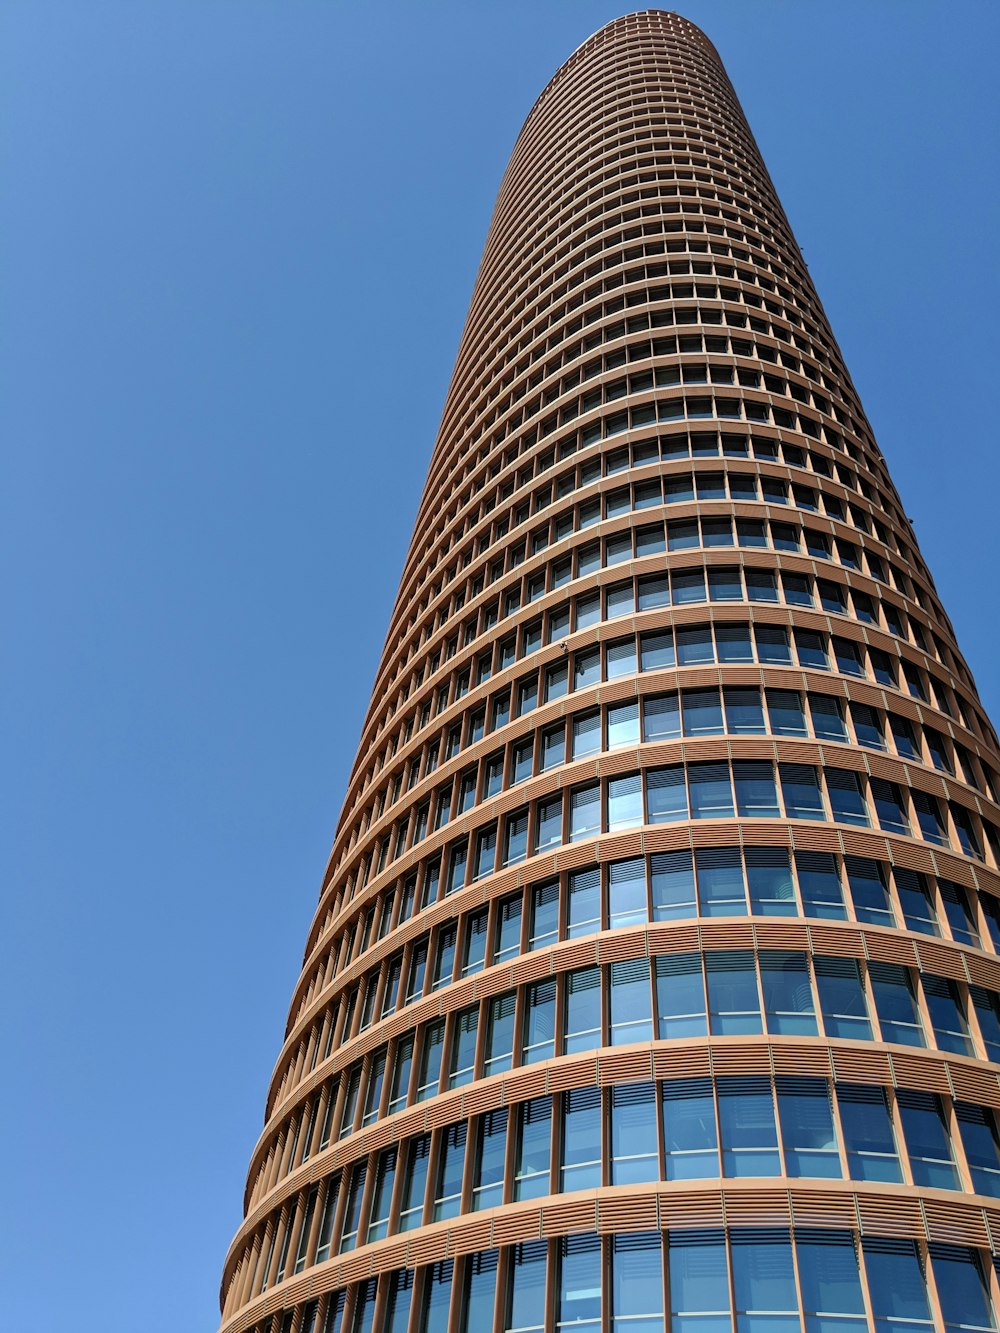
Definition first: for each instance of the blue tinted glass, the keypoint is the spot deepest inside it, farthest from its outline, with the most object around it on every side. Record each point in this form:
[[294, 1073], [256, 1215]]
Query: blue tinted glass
[[689, 1133], [747, 1128], [698, 1282], [637, 1283], [807, 1127], [764, 1281], [732, 992], [832, 1300], [868, 1135], [896, 1286], [579, 1283], [961, 1288], [680, 996]]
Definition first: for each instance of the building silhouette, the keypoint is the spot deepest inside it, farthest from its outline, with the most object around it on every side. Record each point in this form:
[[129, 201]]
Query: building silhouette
[[655, 970]]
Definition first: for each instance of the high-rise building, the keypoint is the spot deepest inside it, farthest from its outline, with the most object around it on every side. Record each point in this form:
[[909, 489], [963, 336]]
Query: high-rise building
[[655, 970]]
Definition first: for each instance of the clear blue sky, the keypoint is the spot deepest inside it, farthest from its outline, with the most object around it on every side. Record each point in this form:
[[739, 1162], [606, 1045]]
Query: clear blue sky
[[238, 240]]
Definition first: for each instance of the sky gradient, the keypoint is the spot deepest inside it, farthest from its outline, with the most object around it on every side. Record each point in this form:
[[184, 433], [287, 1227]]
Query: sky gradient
[[238, 241]]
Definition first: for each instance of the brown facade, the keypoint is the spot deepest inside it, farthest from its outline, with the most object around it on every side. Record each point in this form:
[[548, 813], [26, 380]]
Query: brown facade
[[660, 933]]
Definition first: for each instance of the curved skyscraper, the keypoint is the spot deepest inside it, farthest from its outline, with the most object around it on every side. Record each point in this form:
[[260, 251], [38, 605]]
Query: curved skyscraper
[[654, 979]]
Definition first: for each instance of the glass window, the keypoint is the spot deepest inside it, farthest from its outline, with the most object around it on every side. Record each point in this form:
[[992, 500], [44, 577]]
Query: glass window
[[868, 1134], [689, 1134], [819, 884], [772, 645], [762, 586], [869, 891], [784, 710], [903, 737], [961, 1288], [756, 794], [585, 813], [479, 1293], [623, 725], [744, 714], [451, 1165], [525, 1308], [586, 735], [895, 1004], [534, 1146], [832, 1301], [627, 893], [764, 1281], [583, 1011], [928, 1142], [621, 660], [500, 1034], [400, 1085], [896, 1285], [672, 886], [710, 790], [695, 645], [747, 1128], [702, 713], [411, 1207], [579, 1292], [385, 1177], [867, 726], [637, 1283], [364, 1308], [807, 1131], [666, 794], [661, 718], [418, 969], [800, 791], [657, 650], [544, 915], [847, 802], [539, 1022], [584, 909], [553, 747], [474, 957], [507, 943], [631, 1013], [698, 1282], [733, 1001], [733, 643], [625, 802], [463, 1047], [951, 1031], [515, 839], [955, 901], [769, 876], [889, 806], [827, 718], [586, 668], [721, 890], [327, 1219], [680, 996], [430, 1061], [581, 1139], [977, 1126], [523, 762], [373, 1094], [842, 998], [634, 1150], [438, 1284], [548, 819], [788, 999], [915, 900], [399, 1301]]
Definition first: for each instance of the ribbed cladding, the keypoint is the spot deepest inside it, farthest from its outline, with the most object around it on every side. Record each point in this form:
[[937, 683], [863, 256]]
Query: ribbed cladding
[[635, 179]]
